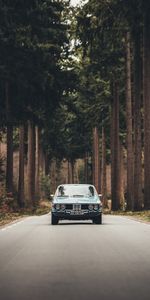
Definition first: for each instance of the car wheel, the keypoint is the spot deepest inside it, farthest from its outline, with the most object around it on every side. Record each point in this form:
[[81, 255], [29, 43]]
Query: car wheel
[[54, 220], [98, 220]]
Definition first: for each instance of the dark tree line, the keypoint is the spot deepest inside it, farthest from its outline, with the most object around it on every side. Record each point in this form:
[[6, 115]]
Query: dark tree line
[[75, 81], [114, 36], [33, 35]]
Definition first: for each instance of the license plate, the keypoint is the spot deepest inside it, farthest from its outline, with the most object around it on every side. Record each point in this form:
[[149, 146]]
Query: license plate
[[76, 213]]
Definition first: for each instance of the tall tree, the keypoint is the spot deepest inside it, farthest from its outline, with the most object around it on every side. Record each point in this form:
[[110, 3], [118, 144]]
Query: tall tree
[[86, 167], [37, 161], [21, 199], [146, 85], [96, 160], [137, 205], [9, 162], [103, 172], [31, 165], [129, 120], [115, 150]]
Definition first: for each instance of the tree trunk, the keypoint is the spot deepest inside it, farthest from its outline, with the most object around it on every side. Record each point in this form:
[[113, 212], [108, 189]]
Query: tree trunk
[[47, 164], [9, 163], [103, 177], [129, 138], [58, 171], [96, 161], [137, 204], [37, 162], [115, 151], [53, 175], [31, 164], [86, 167], [72, 170], [42, 160], [68, 171], [122, 200], [146, 83], [77, 172], [21, 168]]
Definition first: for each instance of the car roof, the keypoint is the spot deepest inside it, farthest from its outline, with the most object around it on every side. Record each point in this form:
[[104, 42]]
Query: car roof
[[76, 184]]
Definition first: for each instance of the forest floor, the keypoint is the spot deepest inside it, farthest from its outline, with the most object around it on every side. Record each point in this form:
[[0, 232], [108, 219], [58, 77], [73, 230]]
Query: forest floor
[[141, 216], [43, 207]]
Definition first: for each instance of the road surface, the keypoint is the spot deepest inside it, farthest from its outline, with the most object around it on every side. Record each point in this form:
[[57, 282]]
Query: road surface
[[75, 260]]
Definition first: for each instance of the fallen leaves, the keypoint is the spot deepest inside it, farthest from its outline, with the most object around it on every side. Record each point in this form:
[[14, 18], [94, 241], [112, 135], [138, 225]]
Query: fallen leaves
[[42, 208]]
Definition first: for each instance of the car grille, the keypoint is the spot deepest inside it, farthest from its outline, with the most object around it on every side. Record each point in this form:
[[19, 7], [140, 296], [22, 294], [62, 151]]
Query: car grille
[[69, 206], [77, 207], [84, 206]]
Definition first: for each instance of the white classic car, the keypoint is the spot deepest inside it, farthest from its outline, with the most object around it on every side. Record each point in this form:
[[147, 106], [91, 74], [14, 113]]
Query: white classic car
[[76, 202]]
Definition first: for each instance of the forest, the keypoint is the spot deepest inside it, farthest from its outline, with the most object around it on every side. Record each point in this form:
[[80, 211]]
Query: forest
[[75, 87]]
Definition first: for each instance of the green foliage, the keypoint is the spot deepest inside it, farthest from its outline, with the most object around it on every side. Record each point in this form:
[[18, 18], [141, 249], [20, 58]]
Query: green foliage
[[101, 44], [7, 202], [33, 34]]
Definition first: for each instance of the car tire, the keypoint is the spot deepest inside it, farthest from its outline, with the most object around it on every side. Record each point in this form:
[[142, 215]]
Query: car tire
[[98, 220], [54, 220]]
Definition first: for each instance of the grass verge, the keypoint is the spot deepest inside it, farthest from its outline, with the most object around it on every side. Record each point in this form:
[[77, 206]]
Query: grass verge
[[136, 215], [42, 208]]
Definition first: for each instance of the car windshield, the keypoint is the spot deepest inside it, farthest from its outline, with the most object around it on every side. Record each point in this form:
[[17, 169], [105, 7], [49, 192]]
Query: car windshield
[[75, 191]]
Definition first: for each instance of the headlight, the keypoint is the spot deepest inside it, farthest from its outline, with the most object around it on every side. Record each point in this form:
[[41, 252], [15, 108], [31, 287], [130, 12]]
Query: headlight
[[90, 207], [96, 206], [63, 206], [57, 206]]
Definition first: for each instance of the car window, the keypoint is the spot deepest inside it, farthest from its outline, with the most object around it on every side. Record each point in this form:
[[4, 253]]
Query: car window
[[75, 191], [62, 192]]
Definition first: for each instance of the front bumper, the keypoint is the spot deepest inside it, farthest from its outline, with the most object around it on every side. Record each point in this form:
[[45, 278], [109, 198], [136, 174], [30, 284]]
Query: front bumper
[[79, 215]]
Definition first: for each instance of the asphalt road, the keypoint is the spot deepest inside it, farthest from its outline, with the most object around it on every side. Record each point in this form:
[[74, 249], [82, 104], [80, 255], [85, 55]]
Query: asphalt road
[[75, 260]]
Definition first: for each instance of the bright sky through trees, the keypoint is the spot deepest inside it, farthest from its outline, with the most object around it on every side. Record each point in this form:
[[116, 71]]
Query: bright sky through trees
[[75, 2]]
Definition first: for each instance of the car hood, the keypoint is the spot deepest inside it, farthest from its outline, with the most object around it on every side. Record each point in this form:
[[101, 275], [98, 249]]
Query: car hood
[[74, 200]]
